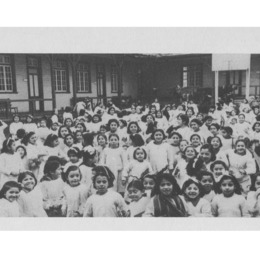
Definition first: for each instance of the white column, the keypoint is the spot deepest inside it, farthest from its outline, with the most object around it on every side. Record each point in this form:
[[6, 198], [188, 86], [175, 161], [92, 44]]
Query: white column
[[216, 87], [247, 83]]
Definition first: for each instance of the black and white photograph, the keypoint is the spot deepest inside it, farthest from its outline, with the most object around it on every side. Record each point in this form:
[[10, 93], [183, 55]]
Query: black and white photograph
[[130, 135]]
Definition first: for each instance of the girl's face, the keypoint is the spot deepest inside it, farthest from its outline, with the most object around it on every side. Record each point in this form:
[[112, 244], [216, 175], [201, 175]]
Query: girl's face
[[205, 154], [68, 123], [207, 183], [176, 140], [101, 141], [183, 145], [28, 183], [228, 188], [190, 153], [233, 113], [179, 121], [149, 119], [101, 184], [180, 108], [95, 119], [218, 170], [12, 147], [138, 110], [241, 119], [29, 119], [166, 187], [134, 194], [43, 123], [140, 155], [195, 127], [21, 151], [158, 137], [73, 158], [257, 128], [133, 128], [112, 112], [192, 191], [55, 142], [80, 128], [133, 111], [256, 110], [54, 127], [159, 114], [33, 139], [200, 117], [213, 130], [12, 194], [257, 183], [79, 137], [240, 148], [195, 141], [113, 141], [233, 121], [102, 130], [189, 113], [113, 127], [153, 109], [16, 119], [215, 143], [57, 173], [224, 133], [69, 140], [63, 132], [74, 178], [148, 183]]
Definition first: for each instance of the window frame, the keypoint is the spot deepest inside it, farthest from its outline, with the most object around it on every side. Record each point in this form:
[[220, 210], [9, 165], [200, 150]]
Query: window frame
[[89, 77], [192, 69], [54, 67], [13, 74], [116, 80]]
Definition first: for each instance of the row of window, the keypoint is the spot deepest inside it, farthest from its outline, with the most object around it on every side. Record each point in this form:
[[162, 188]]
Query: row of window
[[60, 73]]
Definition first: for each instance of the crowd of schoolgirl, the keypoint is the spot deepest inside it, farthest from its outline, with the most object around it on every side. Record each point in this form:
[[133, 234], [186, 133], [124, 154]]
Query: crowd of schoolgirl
[[144, 161]]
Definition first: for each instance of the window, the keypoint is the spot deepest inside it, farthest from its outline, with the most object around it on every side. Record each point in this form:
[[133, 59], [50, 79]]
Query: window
[[60, 76], [192, 76], [83, 78], [114, 79], [6, 74]]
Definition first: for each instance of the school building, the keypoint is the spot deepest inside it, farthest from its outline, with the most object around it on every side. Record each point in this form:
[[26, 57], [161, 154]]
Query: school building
[[39, 83]]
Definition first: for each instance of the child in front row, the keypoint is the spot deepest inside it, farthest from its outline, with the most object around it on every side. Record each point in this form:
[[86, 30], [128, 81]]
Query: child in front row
[[8, 199], [138, 200], [197, 206], [149, 184], [30, 200], [229, 202], [208, 185], [75, 193], [106, 202]]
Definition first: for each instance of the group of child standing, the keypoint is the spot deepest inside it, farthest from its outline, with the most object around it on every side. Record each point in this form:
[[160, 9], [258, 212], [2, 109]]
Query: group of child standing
[[145, 161]]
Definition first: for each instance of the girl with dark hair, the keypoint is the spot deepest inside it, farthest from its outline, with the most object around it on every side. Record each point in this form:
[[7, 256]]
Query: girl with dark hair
[[106, 202], [75, 193], [52, 147], [101, 145], [15, 125], [52, 186], [165, 201], [149, 127], [95, 124], [35, 154], [207, 155], [195, 141], [161, 120], [229, 202], [79, 139], [208, 185], [43, 131], [89, 160], [81, 127], [9, 195], [21, 150], [159, 153], [134, 142], [11, 163], [30, 200], [241, 165], [180, 170], [183, 126], [174, 142], [74, 155], [30, 125], [68, 143], [197, 206], [115, 158], [137, 167], [138, 201], [63, 131], [69, 123]]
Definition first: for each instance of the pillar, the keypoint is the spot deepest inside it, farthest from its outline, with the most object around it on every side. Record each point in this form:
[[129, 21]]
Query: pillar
[[247, 83], [216, 87]]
